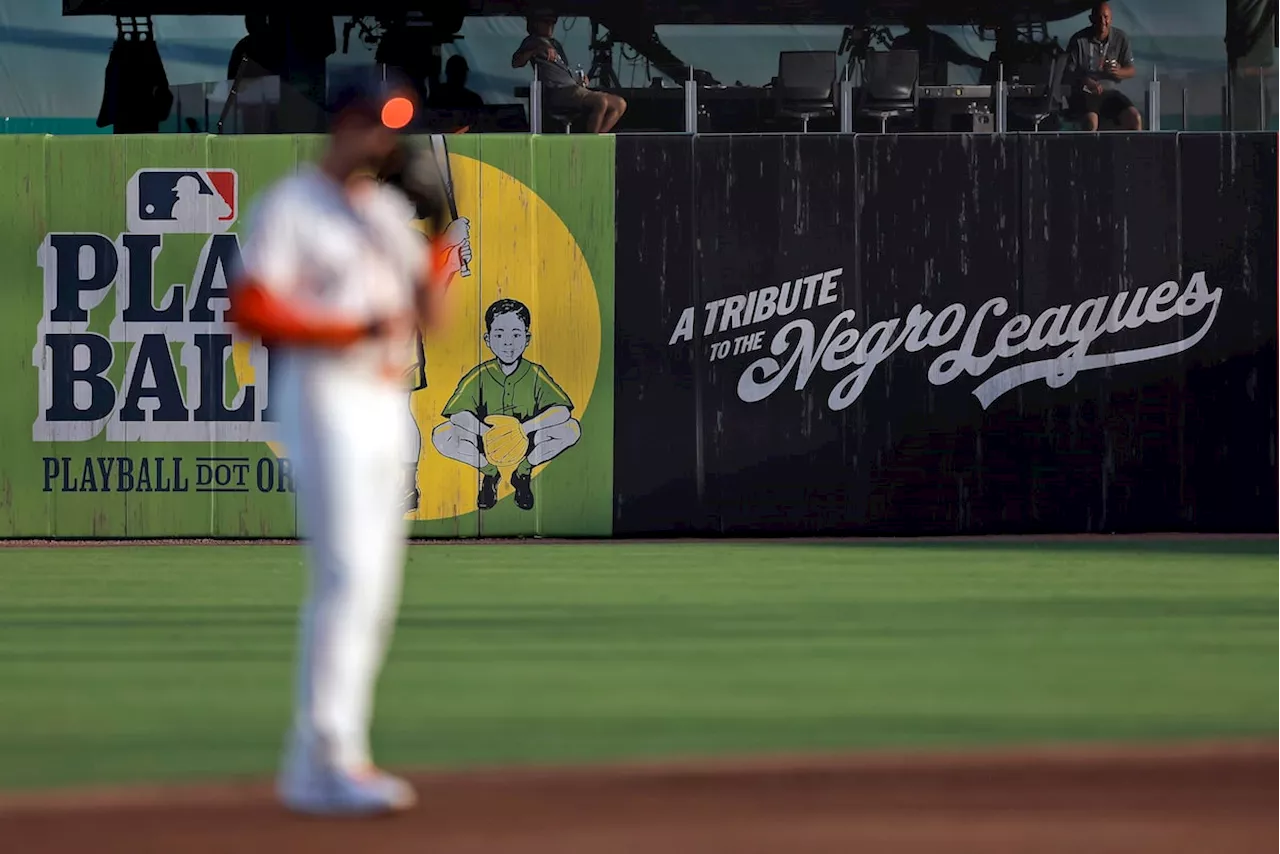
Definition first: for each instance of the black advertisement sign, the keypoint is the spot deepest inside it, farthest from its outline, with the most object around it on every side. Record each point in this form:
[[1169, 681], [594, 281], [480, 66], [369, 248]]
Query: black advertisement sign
[[946, 334]]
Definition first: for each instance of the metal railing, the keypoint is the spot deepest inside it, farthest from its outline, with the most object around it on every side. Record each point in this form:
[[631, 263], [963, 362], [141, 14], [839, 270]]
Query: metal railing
[[263, 104]]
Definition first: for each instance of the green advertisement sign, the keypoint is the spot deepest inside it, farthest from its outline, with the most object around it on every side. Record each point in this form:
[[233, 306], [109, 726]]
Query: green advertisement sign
[[133, 410]]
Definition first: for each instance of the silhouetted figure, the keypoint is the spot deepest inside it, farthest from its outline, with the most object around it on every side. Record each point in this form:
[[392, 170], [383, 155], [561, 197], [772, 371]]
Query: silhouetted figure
[[453, 93], [262, 47], [135, 94], [936, 51], [1013, 53]]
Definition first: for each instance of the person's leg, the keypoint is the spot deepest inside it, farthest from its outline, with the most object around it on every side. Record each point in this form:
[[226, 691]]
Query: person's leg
[[597, 109], [463, 446], [351, 447], [417, 375], [458, 444], [550, 442], [413, 451], [1083, 108], [615, 108], [377, 551], [1119, 110], [304, 439]]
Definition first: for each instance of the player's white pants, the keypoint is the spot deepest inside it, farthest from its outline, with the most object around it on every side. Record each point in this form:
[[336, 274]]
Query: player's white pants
[[346, 436]]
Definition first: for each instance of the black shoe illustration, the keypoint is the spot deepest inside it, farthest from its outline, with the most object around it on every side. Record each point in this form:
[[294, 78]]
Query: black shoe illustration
[[523, 484], [488, 491]]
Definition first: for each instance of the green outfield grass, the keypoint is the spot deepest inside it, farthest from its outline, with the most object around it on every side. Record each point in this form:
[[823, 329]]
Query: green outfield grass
[[159, 663]]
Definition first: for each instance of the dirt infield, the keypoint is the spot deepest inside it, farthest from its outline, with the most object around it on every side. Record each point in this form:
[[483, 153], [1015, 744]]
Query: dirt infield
[[1192, 799]]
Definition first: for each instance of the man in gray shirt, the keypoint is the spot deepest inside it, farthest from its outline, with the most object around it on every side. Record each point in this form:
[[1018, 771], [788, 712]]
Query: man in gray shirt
[[562, 92], [1097, 58]]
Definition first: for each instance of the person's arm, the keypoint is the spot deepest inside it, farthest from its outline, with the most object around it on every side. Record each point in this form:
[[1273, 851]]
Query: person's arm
[[464, 404], [1125, 69], [956, 55], [529, 48], [432, 287], [552, 403], [442, 260], [263, 295], [259, 311], [1073, 74]]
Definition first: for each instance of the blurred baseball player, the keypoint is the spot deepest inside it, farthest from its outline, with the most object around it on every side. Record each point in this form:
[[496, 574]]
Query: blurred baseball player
[[336, 278]]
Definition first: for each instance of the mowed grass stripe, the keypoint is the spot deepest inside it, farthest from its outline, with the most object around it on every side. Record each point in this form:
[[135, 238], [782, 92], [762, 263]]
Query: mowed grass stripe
[[121, 664]]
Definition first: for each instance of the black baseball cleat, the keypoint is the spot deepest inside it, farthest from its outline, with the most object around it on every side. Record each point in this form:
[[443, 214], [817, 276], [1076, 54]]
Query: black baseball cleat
[[488, 491], [523, 484]]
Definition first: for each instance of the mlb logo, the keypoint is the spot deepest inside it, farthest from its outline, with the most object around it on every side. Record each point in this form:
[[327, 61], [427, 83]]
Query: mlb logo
[[182, 201]]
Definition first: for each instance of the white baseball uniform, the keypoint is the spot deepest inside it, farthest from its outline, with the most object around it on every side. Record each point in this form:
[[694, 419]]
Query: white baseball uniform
[[343, 427]]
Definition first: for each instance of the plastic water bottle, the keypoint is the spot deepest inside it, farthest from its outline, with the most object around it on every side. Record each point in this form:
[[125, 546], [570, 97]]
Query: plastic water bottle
[[580, 75]]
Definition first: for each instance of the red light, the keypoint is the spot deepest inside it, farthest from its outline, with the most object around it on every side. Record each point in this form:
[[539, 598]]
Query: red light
[[397, 113]]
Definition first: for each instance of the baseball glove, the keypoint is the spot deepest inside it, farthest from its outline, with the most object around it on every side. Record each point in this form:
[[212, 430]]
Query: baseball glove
[[505, 444]]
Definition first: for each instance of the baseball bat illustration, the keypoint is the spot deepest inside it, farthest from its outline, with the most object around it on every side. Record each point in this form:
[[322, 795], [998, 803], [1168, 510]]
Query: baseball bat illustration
[[441, 152]]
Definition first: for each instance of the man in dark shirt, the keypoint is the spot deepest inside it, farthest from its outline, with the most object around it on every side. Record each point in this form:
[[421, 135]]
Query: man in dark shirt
[[936, 51], [1097, 58], [562, 92], [453, 93]]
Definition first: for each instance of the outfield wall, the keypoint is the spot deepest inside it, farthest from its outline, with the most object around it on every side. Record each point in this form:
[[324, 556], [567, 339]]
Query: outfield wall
[[888, 401], [130, 409], [955, 357]]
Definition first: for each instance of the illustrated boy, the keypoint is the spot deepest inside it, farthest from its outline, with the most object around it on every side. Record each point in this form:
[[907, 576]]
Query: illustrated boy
[[507, 411]]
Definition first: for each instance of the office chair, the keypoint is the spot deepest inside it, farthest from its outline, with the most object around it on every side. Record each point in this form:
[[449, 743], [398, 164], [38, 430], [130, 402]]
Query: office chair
[[890, 86], [564, 121], [1050, 73], [526, 92], [805, 85]]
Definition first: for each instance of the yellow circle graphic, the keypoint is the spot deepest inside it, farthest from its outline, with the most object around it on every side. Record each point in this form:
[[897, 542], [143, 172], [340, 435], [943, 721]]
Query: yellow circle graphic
[[520, 250]]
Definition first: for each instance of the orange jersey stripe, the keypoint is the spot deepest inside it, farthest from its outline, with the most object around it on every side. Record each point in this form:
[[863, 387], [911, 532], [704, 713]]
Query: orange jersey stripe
[[260, 312], [439, 255]]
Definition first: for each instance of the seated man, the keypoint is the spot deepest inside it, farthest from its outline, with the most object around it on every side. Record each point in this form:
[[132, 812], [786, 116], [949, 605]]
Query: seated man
[[562, 93], [1097, 57]]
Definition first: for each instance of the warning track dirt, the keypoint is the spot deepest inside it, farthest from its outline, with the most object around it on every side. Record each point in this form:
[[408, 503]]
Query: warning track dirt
[[1214, 797]]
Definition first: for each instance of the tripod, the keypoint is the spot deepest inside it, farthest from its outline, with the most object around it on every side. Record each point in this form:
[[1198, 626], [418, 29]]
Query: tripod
[[856, 41], [602, 60]]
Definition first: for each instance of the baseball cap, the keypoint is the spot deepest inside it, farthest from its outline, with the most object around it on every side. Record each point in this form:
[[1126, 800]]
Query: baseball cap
[[381, 95]]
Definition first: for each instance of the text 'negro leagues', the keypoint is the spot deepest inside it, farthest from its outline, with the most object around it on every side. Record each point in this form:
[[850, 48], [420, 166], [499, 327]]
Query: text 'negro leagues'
[[969, 339]]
